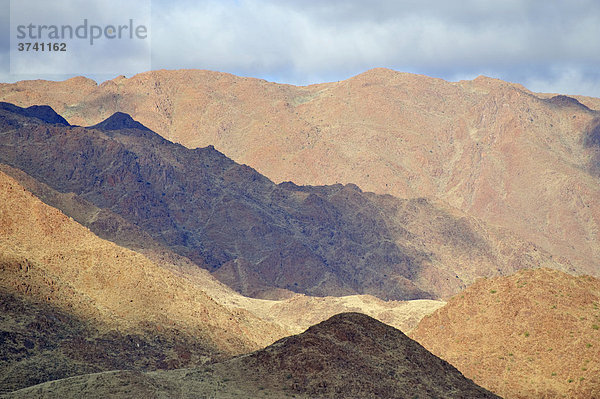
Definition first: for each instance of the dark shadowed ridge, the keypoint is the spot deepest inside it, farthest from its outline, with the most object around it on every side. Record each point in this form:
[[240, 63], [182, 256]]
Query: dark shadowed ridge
[[591, 140], [41, 112], [330, 240], [592, 134], [566, 101], [118, 121]]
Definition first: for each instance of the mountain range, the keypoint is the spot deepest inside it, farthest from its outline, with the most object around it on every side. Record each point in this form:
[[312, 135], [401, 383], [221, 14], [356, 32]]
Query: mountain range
[[176, 243], [498, 152], [250, 233]]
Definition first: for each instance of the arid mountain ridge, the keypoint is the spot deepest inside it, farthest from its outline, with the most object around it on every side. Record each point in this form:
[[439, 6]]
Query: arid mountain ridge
[[515, 159], [348, 356], [512, 339], [252, 234], [73, 303]]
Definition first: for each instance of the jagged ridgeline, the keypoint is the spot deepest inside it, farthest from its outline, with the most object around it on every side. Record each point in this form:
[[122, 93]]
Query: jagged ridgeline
[[523, 161], [251, 233]]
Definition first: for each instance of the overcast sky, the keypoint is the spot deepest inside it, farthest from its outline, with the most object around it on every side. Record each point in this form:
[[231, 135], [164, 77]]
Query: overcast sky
[[550, 46]]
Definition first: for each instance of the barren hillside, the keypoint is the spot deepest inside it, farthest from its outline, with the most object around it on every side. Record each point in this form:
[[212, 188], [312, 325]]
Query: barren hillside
[[493, 149], [534, 334], [108, 300], [347, 356]]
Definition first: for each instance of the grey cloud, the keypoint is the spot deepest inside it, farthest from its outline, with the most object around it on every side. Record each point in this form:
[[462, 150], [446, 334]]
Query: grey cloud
[[100, 59], [552, 46], [307, 41]]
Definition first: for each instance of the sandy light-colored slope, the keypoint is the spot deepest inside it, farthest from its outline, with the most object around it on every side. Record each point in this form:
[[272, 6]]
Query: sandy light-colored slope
[[299, 312], [490, 148], [535, 334]]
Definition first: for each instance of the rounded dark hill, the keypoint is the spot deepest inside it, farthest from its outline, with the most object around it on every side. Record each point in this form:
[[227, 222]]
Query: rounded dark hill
[[118, 121], [352, 355]]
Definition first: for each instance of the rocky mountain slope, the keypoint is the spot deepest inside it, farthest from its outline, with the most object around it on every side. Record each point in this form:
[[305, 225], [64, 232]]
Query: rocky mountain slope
[[515, 159], [534, 334], [510, 176], [294, 312], [347, 356], [74, 303], [250, 233]]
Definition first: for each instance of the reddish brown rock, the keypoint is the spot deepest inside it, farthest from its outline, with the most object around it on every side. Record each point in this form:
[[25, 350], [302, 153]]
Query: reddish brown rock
[[317, 240], [490, 148], [534, 334]]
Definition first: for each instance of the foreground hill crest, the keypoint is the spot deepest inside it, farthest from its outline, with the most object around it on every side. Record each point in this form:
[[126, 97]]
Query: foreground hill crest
[[347, 356]]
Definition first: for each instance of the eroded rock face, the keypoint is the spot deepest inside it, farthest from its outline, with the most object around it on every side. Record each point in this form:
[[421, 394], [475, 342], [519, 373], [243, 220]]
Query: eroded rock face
[[252, 233]]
